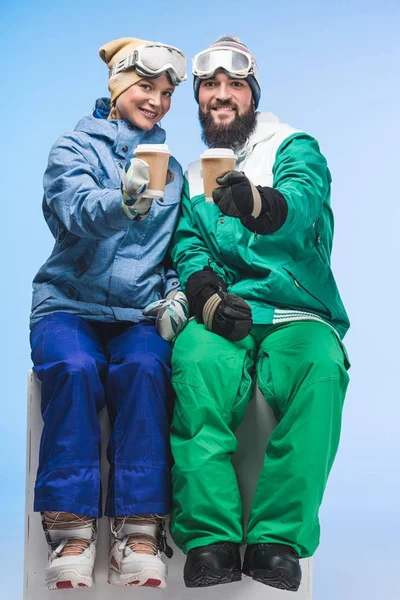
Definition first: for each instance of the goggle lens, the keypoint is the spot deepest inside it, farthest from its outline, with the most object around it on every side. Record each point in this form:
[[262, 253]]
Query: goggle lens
[[156, 58], [232, 61]]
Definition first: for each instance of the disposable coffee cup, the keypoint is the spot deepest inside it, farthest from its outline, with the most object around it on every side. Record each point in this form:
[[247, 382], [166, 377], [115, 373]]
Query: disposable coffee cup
[[214, 163], [157, 157]]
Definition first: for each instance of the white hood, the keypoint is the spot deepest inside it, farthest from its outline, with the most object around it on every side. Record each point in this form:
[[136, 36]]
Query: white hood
[[268, 126]]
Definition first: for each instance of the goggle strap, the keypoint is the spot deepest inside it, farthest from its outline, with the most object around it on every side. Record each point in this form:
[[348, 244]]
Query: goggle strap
[[124, 64], [232, 75]]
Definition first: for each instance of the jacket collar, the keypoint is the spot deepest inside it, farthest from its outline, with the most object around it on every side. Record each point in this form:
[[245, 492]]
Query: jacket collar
[[122, 135]]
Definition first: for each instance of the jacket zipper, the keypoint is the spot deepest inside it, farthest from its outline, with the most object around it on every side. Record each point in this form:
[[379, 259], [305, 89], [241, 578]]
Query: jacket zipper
[[301, 287]]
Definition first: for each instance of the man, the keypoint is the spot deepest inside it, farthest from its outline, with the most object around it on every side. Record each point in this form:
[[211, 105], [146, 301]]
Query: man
[[255, 265]]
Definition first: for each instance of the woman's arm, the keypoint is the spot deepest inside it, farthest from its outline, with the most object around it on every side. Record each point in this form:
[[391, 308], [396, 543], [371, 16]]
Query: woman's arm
[[74, 192]]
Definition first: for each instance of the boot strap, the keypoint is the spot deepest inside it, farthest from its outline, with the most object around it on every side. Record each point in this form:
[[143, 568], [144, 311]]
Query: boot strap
[[56, 535]]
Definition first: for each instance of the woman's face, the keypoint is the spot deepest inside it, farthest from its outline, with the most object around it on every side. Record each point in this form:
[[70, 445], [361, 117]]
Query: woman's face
[[145, 103]]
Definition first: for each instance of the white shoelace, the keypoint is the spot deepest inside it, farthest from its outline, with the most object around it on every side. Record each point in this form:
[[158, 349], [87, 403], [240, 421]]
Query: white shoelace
[[72, 546]]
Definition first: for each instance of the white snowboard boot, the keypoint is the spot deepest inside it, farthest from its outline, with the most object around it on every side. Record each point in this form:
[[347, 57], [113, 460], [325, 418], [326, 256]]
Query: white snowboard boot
[[72, 549], [136, 543]]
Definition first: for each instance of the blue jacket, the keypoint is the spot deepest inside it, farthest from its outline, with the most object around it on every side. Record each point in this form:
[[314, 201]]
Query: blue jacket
[[104, 266]]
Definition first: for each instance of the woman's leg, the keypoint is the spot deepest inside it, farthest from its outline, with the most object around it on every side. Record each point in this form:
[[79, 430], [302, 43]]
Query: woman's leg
[[69, 361], [139, 401]]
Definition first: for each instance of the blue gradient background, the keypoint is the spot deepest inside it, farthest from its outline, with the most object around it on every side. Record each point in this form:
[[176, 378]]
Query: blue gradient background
[[329, 69]]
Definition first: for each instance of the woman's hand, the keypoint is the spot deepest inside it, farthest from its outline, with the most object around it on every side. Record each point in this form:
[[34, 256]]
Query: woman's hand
[[171, 314], [133, 187], [135, 180]]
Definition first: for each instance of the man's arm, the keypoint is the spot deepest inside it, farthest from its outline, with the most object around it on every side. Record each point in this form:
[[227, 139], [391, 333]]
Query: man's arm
[[300, 188], [188, 249], [302, 176]]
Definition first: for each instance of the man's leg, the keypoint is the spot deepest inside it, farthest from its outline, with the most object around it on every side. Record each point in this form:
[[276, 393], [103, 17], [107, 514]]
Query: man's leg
[[139, 400], [302, 374], [213, 383], [69, 361]]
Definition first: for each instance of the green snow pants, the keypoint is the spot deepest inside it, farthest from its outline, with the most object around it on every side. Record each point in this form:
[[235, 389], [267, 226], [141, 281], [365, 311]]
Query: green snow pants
[[302, 372]]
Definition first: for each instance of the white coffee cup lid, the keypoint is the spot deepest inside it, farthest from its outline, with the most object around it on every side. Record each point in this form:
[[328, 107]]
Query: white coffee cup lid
[[153, 148], [218, 153]]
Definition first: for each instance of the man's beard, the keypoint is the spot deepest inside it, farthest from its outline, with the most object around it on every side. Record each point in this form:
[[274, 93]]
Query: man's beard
[[231, 135]]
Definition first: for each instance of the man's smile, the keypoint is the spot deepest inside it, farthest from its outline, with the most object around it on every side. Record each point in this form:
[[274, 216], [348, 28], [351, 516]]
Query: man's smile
[[223, 108]]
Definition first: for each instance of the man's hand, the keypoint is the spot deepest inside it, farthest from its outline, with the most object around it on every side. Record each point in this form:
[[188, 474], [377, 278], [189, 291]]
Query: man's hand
[[171, 314], [260, 209], [231, 318], [237, 197], [224, 314]]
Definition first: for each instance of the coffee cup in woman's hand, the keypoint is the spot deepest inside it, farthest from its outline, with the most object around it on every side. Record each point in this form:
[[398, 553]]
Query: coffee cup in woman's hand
[[157, 157]]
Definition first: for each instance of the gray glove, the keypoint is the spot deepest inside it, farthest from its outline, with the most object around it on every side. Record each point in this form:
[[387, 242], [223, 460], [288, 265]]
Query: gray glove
[[134, 184], [171, 314]]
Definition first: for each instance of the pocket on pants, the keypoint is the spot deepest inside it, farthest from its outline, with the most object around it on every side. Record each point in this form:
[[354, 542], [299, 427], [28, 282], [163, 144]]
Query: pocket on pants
[[245, 383], [346, 359], [267, 382]]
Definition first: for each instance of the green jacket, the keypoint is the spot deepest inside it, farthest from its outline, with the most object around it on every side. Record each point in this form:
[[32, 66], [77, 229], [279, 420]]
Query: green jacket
[[285, 275]]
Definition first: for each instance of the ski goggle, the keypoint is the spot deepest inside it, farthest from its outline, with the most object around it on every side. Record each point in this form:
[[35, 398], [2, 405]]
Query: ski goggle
[[152, 60], [235, 62]]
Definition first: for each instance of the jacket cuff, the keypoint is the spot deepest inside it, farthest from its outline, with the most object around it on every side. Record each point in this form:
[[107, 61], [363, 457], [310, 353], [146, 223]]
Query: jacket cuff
[[274, 211], [172, 285], [133, 214]]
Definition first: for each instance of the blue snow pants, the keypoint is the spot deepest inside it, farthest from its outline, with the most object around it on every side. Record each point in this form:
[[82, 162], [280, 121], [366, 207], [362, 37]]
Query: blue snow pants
[[84, 366]]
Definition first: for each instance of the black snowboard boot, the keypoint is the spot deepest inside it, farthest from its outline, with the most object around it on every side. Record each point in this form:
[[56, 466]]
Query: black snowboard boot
[[276, 565], [212, 565]]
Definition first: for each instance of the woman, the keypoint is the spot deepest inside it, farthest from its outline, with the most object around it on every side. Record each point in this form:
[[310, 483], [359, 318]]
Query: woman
[[94, 337]]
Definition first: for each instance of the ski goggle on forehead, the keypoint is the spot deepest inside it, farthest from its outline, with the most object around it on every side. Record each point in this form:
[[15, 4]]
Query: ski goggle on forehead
[[152, 60], [236, 63]]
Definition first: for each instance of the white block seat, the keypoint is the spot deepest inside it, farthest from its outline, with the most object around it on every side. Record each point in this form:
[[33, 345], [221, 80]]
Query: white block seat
[[257, 426]]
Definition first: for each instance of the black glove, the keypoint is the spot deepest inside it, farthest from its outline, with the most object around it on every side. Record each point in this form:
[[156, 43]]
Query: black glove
[[260, 209], [225, 314]]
